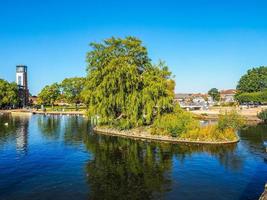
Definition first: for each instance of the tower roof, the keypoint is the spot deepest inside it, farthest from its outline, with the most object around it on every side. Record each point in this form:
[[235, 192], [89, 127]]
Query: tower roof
[[21, 68]]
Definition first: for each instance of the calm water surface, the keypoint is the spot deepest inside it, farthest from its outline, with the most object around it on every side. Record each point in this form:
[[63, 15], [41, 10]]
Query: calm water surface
[[59, 157]]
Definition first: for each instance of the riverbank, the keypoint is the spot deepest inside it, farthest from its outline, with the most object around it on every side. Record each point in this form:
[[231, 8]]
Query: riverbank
[[24, 111], [264, 194], [250, 114], [143, 134]]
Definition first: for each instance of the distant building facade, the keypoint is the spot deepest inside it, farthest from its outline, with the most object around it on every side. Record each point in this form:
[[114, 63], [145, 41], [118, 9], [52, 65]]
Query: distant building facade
[[228, 96], [22, 82]]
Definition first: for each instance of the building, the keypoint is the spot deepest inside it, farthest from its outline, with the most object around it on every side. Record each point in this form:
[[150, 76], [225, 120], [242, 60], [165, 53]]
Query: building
[[192, 101], [33, 100], [228, 96], [22, 82], [182, 97]]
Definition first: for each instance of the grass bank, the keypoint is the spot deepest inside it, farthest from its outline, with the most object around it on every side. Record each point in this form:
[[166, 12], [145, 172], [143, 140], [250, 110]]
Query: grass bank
[[144, 133], [181, 126]]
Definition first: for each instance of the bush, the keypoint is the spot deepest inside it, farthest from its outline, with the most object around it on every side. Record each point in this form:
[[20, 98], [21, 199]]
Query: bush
[[210, 133], [182, 124], [230, 120], [252, 97], [122, 124], [263, 115], [228, 104], [174, 124]]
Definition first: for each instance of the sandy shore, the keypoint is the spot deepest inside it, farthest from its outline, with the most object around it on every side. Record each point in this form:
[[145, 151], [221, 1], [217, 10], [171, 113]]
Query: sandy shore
[[144, 135], [249, 113]]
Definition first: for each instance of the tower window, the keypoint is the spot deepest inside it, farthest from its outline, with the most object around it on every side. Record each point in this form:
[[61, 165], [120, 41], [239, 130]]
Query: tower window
[[19, 80]]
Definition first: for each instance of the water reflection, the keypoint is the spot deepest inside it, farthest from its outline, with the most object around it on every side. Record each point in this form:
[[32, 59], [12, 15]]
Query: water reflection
[[15, 127], [135, 170], [115, 168], [75, 129], [127, 168], [49, 126], [255, 137], [22, 135]]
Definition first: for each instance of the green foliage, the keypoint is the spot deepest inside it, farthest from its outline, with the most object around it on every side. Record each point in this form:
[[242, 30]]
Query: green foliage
[[246, 97], [214, 93], [49, 94], [175, 123], [263, 115], [181, 124], [8, 94], [254, 80], [210, 133], [230, 120], [228, 104], [72, 88], [123, 88]]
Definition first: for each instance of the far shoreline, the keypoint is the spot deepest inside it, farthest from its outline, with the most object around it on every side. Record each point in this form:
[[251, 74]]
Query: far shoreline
[[199, 114], [22, 111]]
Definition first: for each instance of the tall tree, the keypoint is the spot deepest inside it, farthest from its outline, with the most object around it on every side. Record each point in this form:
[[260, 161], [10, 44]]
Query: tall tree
[[214, 93], [254, 80], [8, 94], [72, 88], [123, 87], [49, 94]]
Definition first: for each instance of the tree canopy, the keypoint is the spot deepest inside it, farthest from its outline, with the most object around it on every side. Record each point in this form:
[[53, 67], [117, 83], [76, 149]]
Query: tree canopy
[[214, 93], [254, 80], [123, 87], [8, 94], [49, 94], [72, 88]]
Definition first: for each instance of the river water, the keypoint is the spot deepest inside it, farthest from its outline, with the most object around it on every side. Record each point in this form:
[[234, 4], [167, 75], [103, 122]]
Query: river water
[[59, 157]]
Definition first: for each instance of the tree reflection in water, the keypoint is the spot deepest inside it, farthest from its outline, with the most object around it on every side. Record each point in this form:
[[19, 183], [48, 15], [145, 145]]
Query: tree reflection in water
[[75, 129], [49, 126], [116, 168], [126, 168], [137, 169]]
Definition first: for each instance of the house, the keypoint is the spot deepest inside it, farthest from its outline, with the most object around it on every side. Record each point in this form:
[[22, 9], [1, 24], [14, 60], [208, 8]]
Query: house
[[182, 97], [228, 96], [191, 101], [33, 100]]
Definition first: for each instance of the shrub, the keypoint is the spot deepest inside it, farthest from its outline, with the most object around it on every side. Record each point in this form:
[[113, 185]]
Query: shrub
[[174, 124], [252, 97], [228, 104], [122, 124], [210, 133], [263, 115], [230, 120]]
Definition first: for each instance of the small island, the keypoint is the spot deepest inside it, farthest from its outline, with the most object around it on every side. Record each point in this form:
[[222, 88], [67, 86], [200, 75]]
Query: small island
[[132, 97]]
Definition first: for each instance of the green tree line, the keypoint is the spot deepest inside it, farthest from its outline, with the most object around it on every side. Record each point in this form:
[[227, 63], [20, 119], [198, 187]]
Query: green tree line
[[69, 90], [8, 94], [252, 86]]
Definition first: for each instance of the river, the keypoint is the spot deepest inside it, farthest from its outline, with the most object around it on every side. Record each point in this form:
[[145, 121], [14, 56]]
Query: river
[[59, 157]]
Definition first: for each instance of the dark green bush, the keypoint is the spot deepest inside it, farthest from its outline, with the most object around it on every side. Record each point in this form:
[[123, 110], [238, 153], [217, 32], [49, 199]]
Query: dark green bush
[[174, 124], [252, 97], [263, 115]]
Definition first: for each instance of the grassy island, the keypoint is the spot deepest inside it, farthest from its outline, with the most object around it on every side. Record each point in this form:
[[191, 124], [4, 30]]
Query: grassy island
[[129, 94]]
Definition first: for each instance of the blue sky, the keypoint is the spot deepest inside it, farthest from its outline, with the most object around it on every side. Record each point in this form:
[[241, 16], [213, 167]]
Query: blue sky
[[205, 43]]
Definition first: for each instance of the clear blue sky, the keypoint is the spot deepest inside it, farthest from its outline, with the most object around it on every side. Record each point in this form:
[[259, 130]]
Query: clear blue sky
[[205, 43]]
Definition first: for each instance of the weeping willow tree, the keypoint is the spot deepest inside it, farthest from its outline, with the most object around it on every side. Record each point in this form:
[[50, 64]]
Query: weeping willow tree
[[123, 88]]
